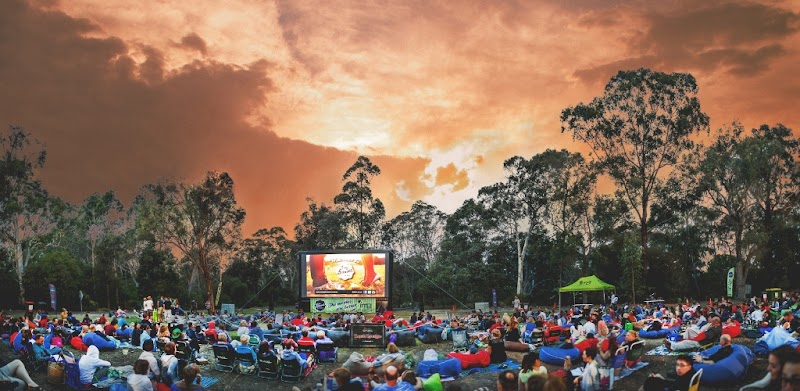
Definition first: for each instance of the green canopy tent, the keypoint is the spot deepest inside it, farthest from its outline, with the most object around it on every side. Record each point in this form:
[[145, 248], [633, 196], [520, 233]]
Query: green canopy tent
[[586, 284]]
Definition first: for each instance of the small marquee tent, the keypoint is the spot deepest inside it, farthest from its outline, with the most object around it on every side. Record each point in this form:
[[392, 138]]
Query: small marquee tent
[[586, 284]]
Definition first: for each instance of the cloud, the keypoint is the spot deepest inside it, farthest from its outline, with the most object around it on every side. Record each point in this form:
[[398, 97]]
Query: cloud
[[450, 175], [194, 42], [739, 38], [115, 117]]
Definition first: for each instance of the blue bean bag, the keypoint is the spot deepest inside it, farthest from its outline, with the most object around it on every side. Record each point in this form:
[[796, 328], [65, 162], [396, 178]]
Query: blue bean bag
[[405, 338], [555, 356], [429, 334], [125, 333], [17, 343], [658, 334], [445, 368], [340, 338], [91, 339], [727, 371], [774, 339]]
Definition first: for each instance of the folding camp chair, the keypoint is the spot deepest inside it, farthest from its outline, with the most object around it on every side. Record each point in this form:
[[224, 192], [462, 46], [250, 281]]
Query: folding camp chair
[[537, 337], [327, 352], [72, 373], [308, 349], [291, 371], [225, 357], [527, 334], [160, 344], [635, 352], [269, 367], [31, 361], [619, 360], [254, 342], [460, 340], [694, 384], [184, 351], [245, 363]]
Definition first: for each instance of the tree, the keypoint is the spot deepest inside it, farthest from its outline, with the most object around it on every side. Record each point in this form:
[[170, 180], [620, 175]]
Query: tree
[[637, 131], [202, 221], [320, 227], [516, 205], [26, 210], [363, 214], [416, 237], [268, 257]]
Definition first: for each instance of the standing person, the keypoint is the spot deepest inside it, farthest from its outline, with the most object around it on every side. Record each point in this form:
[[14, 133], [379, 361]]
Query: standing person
[[517, 303], [148, 306], [590, 379]]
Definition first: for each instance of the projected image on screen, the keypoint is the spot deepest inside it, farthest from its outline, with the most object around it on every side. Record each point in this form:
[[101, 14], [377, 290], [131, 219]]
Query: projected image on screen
[[357, 275]]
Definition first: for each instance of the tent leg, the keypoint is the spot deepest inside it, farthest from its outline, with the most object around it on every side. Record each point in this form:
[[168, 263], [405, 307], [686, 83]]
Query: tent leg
[[604, 296]]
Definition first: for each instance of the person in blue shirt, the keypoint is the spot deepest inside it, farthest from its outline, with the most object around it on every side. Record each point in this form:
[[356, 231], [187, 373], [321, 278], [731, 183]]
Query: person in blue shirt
[[256, 330], [43, 353], [392, 375]]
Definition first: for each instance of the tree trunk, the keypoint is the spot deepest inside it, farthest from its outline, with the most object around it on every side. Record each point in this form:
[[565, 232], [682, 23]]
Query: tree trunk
[[520, 260], [20, 260], [738, 277], [643, 234]]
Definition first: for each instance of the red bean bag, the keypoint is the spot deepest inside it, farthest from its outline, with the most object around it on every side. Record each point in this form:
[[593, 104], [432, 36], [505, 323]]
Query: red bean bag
[[552, 333], [733, 330], [586, 343], [77, 343], [469, 361], [699, 337]]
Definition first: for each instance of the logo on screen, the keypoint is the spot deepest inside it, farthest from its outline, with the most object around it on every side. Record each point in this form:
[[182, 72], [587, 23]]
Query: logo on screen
[[319, 305]]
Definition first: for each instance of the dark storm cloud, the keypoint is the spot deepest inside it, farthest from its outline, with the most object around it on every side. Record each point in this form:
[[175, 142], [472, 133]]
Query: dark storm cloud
[[114, 118], [738, 38], [195, 42]]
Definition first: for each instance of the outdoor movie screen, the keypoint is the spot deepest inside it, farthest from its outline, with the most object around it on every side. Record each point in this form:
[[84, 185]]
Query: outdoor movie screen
[[349, 274]]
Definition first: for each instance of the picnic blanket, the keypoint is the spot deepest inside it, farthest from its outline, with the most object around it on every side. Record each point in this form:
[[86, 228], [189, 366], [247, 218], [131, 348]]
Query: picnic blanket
[[494, 367], [627, 371], [208, 381]]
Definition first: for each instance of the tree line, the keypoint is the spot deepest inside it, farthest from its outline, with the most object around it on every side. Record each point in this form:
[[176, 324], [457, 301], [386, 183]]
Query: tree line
[[661, 204]]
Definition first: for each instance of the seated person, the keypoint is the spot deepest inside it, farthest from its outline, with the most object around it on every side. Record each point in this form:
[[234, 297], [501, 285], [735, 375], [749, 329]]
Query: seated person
[[222, 339], [243, 329], [775, 362], [288, 354], [322, 338], [147, 355], [256, 330], [265, 350], [343, 379], [684, 371], [497, 348], [393, 383], [790, 323], [169, 364], [790, 374], [244, 347], [725, 351], [711, 335], [631, 337], [392, 357], [42, 353], [190, 379], [305, 340], [139, 380], [92, 368], [16, 373]]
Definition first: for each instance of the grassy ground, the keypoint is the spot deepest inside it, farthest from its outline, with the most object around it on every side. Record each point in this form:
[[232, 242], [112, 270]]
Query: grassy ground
[[237, 382]]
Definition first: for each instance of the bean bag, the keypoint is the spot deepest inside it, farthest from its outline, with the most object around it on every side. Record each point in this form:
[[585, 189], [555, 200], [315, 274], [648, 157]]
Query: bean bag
[[774, 339], [340, 338], [77, 343], [733, 330], [429, 334], [356, 365], [556, 356], [405, 338], [481, 359], [516, 347], [16, 339], [727, 371], [433, 383], [92, 339], [657, 334], [445, 368], [586, 343]]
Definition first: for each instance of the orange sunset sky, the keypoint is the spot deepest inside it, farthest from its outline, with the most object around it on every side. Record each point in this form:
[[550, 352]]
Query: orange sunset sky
[[284, 95]]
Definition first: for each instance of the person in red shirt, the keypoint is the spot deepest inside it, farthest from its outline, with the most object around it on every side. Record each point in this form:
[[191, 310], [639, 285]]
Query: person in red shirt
[[305, 340]]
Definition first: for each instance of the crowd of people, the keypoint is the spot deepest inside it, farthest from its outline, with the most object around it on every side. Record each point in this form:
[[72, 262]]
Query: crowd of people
[[592, 329]]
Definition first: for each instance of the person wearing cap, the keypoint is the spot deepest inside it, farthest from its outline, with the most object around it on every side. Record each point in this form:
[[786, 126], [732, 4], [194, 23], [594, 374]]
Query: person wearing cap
[[790, 322]]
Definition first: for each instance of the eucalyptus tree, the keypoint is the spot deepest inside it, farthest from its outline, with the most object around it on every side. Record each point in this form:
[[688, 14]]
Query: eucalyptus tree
[[638, 130], [201, 221], [27, 212], [363, 214]]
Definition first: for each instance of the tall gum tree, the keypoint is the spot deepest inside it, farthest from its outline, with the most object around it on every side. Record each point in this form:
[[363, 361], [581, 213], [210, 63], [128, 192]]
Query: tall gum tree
[[637, 131], [202, 222]]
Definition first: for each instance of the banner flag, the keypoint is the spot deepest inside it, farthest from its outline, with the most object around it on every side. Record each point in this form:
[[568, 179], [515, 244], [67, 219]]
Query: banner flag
[[494, 297], [730, 282], [52, 296]]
